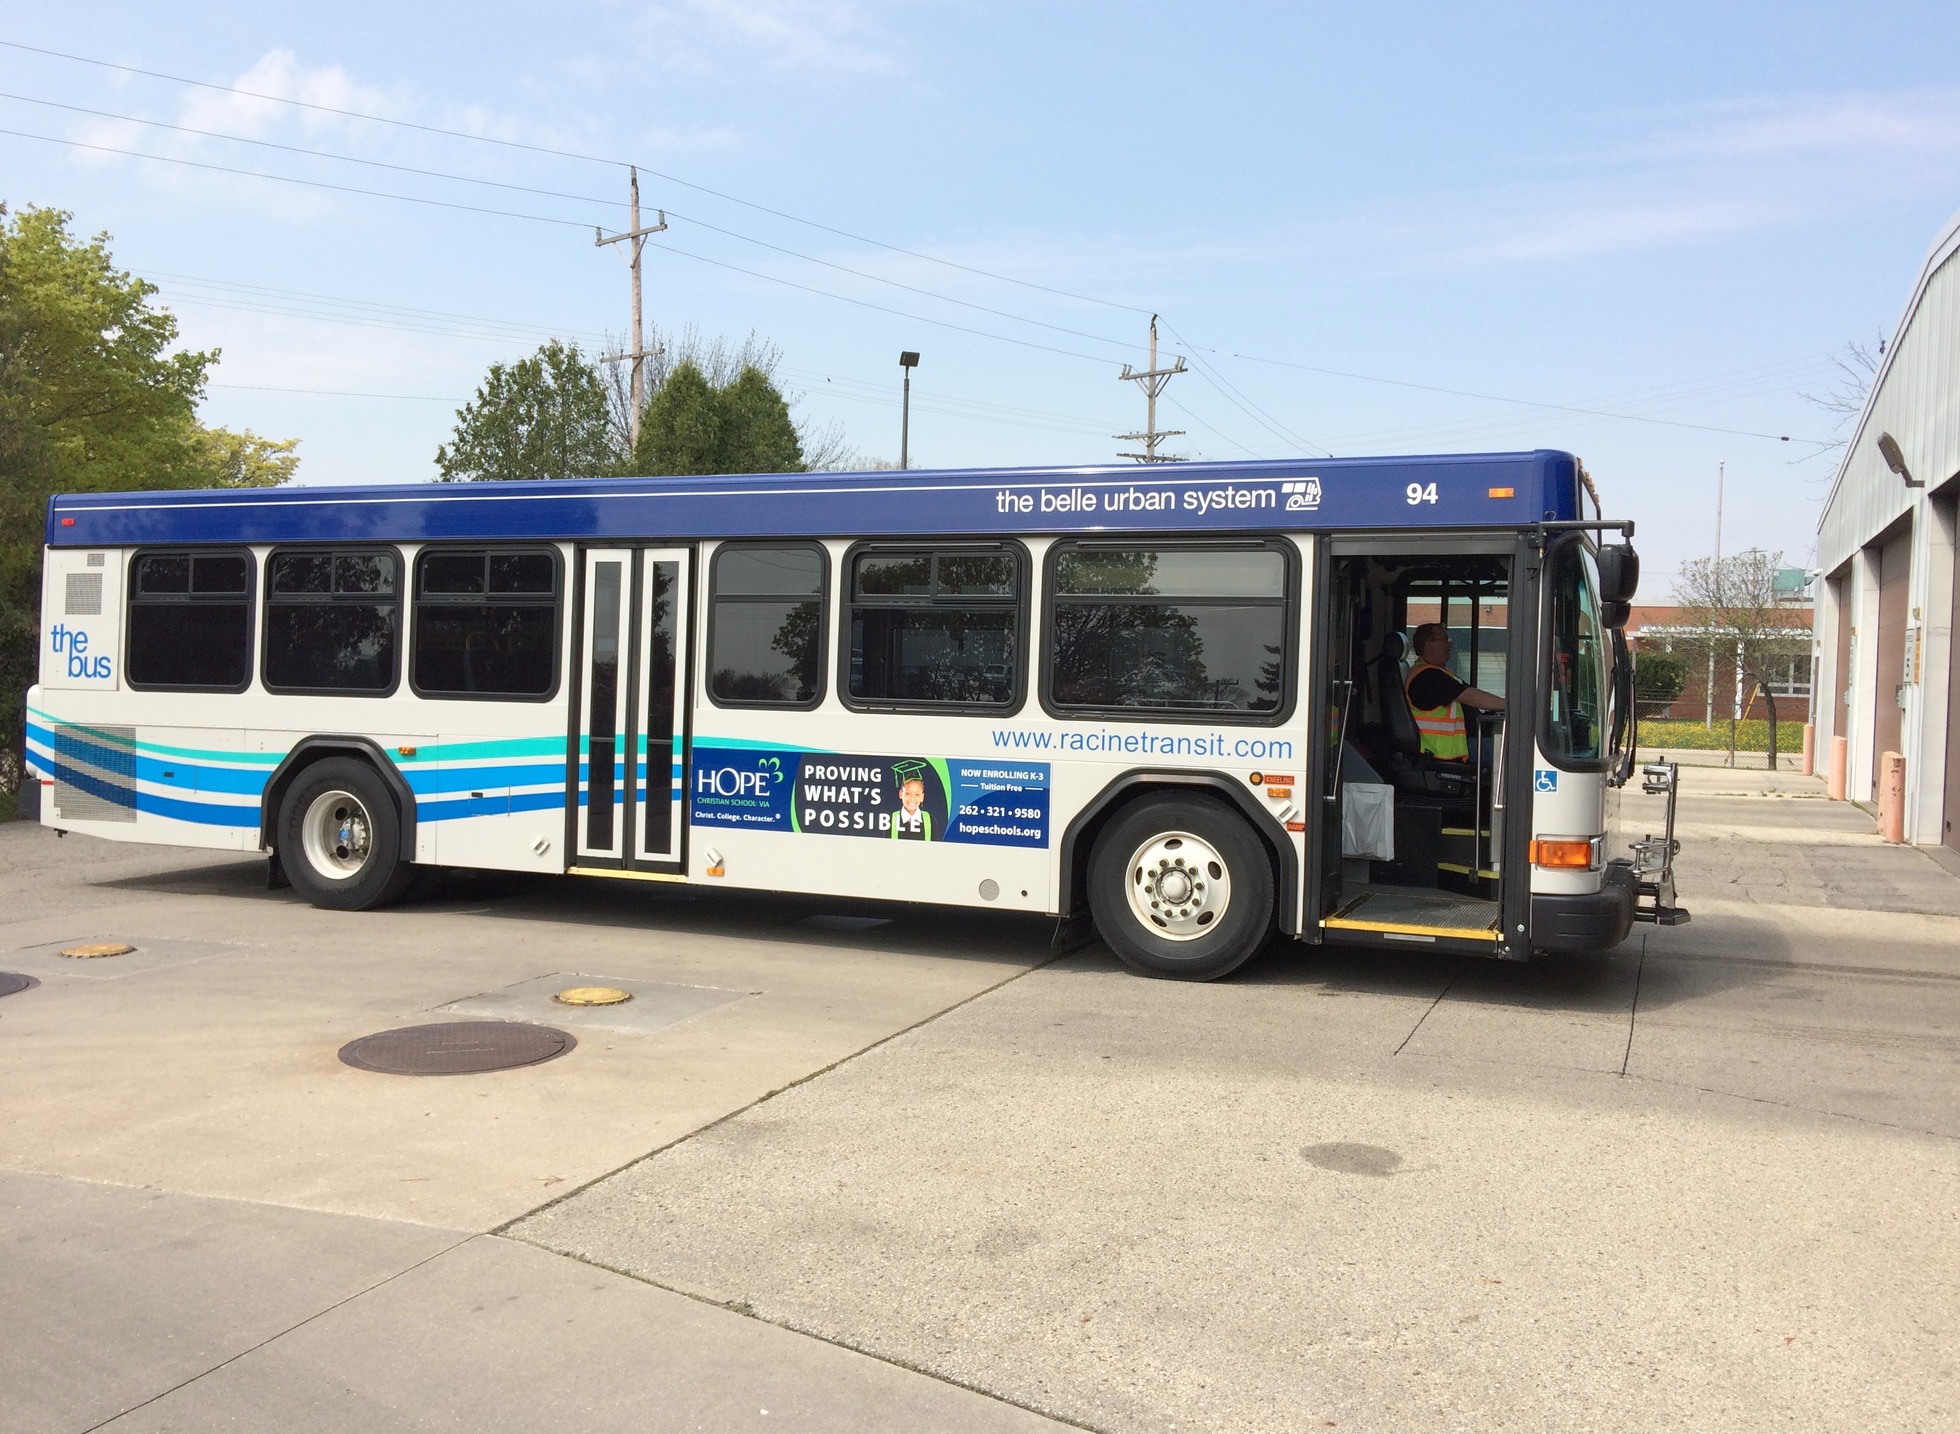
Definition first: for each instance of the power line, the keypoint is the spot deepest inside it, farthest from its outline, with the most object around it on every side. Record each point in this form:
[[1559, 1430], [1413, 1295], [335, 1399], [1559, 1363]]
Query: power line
[[303, 149], [559, 194], [519, 328], [289, 179], [1524, 402], [573, 154], [335, 392], [1219, 382], [867, 304], [1265, 420]]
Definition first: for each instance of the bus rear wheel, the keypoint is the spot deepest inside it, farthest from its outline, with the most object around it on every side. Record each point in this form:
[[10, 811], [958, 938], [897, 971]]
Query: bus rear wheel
[[1181, 887], [340, 839]]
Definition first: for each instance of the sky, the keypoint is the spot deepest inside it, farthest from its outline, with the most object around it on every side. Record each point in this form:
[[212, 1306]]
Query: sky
[[1393, 228]]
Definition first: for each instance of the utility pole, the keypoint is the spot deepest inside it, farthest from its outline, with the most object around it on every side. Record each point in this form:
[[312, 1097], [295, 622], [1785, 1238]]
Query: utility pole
[[635, 238], [1721, 471], [1152, 382]]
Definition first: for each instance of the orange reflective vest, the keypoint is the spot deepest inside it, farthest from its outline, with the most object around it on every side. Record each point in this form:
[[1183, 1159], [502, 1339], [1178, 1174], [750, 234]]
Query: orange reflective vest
[[1442, 731]]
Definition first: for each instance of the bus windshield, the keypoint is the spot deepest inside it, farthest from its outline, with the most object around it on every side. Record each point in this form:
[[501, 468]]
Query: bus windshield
[[1576, 691]]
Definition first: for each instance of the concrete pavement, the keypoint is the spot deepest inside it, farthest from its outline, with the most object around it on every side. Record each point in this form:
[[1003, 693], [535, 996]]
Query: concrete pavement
[[893, 1172]]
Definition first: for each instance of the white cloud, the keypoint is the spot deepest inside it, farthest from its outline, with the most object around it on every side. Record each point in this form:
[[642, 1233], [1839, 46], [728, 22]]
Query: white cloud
[[834, 35], [280, 75], [1922, 123]]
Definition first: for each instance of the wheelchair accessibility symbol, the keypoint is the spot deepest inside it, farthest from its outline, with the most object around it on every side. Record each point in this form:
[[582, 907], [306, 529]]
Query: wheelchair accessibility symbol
[[1543, 781]]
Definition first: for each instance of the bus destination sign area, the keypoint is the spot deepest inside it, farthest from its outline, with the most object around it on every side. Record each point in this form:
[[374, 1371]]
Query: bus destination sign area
[[991, 803]]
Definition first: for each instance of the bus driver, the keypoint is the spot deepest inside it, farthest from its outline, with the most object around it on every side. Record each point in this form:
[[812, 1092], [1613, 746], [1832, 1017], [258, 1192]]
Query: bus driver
[[1437, 697]]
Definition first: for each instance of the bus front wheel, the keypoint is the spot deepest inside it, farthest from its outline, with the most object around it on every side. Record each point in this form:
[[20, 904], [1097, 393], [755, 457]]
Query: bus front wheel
[[1181, 887], [339, 837]]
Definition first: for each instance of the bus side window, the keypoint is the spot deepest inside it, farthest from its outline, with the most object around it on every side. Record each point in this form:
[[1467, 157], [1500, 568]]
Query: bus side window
[[332, 620], [486, 623], [936, 628], [766, 625], [1199, 629], [190, 621]]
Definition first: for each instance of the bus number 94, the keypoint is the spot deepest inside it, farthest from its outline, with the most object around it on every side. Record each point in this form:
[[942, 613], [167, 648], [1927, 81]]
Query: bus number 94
[[1421, 493]]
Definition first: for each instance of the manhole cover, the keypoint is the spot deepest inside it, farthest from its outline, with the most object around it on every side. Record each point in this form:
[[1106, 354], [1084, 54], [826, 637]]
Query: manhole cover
[[456, 1048], [89, 951], [592, 996], [12, 981]]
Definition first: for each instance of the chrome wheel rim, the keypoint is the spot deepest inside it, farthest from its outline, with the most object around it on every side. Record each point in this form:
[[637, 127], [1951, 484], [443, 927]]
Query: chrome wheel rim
[[1179, 886], [338, 835]]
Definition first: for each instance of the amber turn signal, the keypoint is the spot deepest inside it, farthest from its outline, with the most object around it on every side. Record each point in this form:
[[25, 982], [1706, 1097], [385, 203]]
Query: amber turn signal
[[1565, 853]]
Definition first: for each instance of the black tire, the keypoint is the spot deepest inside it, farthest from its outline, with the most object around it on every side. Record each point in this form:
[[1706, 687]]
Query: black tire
[[340, 839], [1225, 909]]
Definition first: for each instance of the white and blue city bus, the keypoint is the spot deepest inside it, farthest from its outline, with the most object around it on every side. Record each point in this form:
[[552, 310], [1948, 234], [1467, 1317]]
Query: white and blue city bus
[[1168, 697]]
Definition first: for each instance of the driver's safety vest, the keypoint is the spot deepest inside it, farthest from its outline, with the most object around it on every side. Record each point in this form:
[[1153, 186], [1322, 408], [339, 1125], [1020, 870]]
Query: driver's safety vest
[[1440, 729]]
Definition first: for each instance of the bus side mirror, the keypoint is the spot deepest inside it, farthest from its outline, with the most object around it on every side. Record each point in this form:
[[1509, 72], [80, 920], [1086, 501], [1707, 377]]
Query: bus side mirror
[[1615, 614], [1619, 573]]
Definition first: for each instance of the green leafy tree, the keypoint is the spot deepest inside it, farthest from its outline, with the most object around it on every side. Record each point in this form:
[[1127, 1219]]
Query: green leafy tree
[[93, 398], [757, 435], [691, 426], [546, 416], [1730, 614], [681, 430], [1658, 676]]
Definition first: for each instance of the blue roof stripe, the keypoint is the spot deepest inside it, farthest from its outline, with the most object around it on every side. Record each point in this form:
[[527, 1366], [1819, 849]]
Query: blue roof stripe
[[1345, 493]]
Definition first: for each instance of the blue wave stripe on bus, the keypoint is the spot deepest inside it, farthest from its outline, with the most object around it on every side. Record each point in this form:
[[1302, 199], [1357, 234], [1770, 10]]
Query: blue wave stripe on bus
[[186, 776], [505, 748], [458, 808], [162, 749], [432, 782], [210, 814]]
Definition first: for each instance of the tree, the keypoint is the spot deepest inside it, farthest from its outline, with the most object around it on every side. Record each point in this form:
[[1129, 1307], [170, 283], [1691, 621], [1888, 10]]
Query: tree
[[92, 399], [681, 430], [545, 416], [818, 448], [1856, 365], [757, 435], [691, 426], [1730, 615], [1658, 676]]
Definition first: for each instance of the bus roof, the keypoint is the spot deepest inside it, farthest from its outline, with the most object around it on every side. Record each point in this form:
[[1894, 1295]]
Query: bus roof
[[1472, 490]]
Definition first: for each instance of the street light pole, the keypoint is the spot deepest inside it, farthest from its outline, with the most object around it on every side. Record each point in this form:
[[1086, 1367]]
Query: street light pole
[[908, 361]]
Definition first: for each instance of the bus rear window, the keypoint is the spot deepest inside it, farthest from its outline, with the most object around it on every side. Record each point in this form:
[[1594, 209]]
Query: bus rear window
[[190, 621]]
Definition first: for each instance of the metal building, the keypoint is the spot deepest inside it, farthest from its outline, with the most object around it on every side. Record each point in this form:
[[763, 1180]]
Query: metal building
[[1887, 601]]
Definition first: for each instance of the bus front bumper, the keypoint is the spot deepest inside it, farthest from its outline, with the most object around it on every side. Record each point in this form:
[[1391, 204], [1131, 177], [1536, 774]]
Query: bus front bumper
[[1594, 921]]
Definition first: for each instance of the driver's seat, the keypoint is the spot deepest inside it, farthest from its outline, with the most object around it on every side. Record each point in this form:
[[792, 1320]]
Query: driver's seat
[[1410, 768]]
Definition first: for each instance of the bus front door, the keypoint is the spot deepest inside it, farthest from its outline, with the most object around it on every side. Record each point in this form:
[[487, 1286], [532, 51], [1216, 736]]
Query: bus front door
[[629, 735]]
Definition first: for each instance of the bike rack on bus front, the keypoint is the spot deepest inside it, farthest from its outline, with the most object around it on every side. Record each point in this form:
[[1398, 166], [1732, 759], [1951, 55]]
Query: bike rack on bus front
[[1653, 857]]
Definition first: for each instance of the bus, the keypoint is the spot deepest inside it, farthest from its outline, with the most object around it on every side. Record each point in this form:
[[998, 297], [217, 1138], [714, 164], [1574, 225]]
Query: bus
[[1169, 699]]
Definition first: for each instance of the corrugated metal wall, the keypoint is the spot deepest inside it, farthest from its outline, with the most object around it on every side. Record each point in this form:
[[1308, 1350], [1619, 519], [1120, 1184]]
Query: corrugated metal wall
[[1917, 401]]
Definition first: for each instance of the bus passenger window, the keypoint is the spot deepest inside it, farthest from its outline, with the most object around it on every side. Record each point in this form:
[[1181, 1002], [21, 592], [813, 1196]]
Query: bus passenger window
[[1199, 629], [486, 623], [331, 620], [935, 629], [190, 621], [765, 638]]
